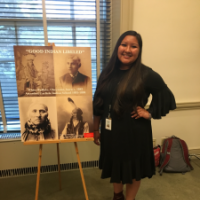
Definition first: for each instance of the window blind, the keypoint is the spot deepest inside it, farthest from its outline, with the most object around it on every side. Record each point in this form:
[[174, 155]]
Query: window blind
[[69, 23]]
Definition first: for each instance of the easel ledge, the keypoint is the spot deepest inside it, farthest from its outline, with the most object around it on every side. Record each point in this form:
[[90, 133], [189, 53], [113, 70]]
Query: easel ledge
[[58, 141]]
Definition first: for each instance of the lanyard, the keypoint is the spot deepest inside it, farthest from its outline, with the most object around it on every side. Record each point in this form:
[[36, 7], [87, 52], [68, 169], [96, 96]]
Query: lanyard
[[109, 111]]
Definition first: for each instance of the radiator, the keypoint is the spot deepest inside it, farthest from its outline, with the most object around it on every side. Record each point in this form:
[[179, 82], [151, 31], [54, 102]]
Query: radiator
[[47, 169]]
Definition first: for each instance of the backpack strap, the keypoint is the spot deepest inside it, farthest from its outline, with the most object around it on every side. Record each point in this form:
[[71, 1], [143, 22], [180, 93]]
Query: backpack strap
[[185, 153], [163, 148], [167, 157]]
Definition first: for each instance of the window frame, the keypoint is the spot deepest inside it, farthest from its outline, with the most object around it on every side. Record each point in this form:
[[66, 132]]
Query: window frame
[[49, 21]]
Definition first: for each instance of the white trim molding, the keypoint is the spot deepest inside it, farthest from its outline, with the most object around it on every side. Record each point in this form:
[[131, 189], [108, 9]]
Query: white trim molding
[[98, 36], [126, 13], [44, 23], [184, 106], [188, 106]]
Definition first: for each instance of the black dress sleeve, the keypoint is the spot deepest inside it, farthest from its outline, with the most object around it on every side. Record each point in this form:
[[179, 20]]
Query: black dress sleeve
[[162, 98]]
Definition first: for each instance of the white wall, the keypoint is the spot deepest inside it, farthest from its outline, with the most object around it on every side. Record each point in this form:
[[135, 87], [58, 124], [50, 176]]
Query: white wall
[[16, 155], [171, 46], [171, 36], [183, 124]]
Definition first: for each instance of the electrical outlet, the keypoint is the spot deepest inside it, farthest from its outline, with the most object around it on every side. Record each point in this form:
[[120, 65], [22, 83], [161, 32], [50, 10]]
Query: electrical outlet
[[154, 142]]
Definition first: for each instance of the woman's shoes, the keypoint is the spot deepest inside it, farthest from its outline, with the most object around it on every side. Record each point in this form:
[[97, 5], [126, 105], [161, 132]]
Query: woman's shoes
[[119, 196]]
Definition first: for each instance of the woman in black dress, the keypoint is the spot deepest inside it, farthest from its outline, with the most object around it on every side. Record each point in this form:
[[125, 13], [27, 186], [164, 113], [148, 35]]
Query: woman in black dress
[[126, 149]]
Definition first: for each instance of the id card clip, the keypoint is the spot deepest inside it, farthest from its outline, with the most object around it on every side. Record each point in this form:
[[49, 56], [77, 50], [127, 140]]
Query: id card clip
[[108, 122]]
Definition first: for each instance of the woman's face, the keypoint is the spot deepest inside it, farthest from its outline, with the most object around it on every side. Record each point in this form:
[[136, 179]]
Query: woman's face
[[128, 50]]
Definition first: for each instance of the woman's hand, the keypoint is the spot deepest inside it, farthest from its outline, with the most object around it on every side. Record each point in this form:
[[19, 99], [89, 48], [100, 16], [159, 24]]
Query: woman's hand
[[141, 112], [97, 137]]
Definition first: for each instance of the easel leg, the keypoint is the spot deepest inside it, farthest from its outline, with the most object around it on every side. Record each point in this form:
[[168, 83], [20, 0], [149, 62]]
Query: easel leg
[[81, 171], [38, 172], [58, 154]]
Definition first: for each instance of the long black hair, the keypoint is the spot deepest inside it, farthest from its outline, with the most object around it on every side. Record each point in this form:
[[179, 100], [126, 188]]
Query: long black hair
[[130, 91]]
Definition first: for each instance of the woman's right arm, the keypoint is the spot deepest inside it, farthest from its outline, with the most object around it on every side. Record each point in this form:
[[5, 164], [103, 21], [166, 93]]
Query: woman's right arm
[[97, 115], [97, 138]]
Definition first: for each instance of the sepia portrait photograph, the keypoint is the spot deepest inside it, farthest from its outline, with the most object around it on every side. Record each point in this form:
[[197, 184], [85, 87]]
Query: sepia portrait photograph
[[34, 70], [74, 116], [73, 70], [38, 118]]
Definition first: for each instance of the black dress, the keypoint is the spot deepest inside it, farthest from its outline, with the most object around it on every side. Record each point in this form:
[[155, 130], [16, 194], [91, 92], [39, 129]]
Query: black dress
[[126, 152]]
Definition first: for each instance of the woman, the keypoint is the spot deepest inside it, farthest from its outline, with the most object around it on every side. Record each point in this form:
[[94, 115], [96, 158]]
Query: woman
[[126, 154]]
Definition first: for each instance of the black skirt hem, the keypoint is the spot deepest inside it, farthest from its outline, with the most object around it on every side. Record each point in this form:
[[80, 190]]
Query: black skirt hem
[[127, 182], [125, 171]]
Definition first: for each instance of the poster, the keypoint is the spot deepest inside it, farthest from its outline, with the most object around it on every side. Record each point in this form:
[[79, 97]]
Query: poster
[[54, 92]]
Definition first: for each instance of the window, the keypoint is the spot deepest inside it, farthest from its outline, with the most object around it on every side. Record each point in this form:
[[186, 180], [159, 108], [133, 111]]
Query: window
[[69, 23]]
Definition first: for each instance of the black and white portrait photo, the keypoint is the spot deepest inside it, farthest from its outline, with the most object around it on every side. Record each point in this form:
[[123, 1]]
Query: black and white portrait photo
[[34, 71], [74, 116], [54, 92], [38, 118], [73, 71], [73, 78]]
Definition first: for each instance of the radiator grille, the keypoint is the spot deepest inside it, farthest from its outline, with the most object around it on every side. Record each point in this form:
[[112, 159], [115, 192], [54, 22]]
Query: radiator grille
[[47, 169]]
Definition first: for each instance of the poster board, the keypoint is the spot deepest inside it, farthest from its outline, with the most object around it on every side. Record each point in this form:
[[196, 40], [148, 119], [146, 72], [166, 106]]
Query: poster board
[[54, 92]]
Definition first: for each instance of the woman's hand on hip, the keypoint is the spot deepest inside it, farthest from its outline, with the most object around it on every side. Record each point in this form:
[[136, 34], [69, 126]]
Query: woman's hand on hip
[[141, 112], [97, 137]]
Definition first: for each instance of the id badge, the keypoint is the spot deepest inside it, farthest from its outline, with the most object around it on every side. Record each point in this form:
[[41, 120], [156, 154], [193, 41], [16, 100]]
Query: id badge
[[108, 124]]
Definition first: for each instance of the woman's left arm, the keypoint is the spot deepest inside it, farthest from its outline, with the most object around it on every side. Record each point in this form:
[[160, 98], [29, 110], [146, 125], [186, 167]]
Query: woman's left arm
[[162, 98]]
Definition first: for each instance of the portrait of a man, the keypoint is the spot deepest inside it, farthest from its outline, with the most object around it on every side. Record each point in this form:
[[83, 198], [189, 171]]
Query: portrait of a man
[[73, 78], [38, 126], [44, 75], [76, 126], [27, 75]]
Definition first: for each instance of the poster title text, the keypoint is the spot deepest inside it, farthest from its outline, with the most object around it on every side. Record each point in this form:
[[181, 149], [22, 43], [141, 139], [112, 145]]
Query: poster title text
[[54, 51]]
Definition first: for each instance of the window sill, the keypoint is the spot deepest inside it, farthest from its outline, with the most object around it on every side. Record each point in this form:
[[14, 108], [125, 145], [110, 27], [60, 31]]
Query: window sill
[[9, 137]]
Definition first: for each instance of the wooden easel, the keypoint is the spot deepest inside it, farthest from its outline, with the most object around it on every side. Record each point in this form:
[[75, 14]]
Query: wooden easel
[[58, 155]]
